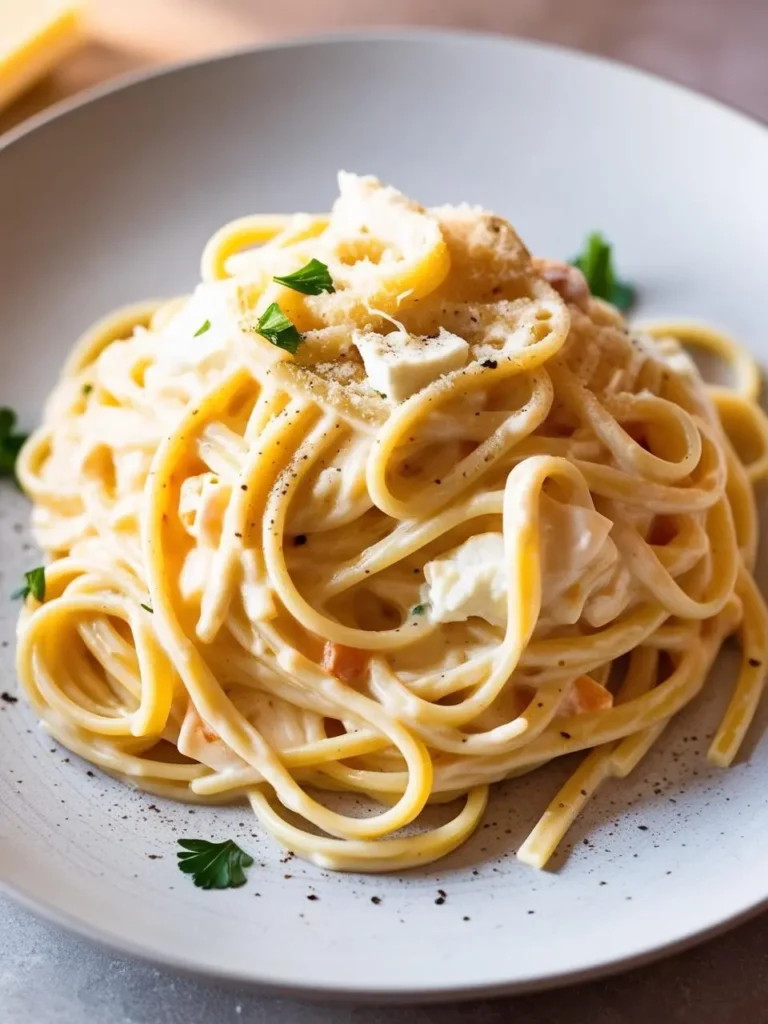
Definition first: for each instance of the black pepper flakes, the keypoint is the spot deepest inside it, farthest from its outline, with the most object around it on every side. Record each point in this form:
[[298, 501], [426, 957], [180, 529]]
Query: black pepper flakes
[[299, 540], [9, 698], [755, 662], [489, 364], [313, 897], [376, 900]]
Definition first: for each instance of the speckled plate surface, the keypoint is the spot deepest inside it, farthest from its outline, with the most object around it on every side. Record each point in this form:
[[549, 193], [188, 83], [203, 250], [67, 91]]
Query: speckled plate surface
[[112, 201]]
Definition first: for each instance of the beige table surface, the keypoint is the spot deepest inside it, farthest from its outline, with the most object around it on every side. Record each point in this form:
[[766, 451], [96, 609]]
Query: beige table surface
[[719, 46]]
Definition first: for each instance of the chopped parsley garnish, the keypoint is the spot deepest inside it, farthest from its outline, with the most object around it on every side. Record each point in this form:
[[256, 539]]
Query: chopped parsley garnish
[[35, 585], [206, 326], [87, 389], [148, 608], [10, 441], [418, 609], [213, 865], [313, 279], [275, 326], [596, 264]]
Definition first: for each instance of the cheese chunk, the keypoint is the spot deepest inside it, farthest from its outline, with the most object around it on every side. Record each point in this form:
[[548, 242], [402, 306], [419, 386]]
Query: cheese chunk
[[34, 36], [200, 333], [469, 580], [572, 537], [472, 578], [398, 365]]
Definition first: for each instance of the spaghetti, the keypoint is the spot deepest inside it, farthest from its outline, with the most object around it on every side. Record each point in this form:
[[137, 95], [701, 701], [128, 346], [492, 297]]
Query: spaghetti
[[469, 525]]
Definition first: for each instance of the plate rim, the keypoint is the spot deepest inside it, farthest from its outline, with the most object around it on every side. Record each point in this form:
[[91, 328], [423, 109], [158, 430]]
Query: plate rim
[[394, 995], [353, 36], [297, 988]]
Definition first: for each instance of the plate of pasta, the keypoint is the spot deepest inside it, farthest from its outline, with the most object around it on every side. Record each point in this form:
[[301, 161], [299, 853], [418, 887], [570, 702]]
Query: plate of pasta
[[388, 610]]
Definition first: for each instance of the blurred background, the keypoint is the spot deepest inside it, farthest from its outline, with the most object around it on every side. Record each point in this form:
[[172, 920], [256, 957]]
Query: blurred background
[[718, 46]]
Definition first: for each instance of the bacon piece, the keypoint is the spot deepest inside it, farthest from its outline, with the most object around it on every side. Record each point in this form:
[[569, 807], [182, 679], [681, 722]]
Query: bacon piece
[[346, 663], [586, 695], [209, 734], [568, 282]]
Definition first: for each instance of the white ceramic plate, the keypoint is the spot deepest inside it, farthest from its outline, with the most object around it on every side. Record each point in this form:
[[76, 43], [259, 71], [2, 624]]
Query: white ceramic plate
[[112, 201]]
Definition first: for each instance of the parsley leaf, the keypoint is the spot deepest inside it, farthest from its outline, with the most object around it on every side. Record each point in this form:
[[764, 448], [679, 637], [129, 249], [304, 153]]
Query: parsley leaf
[[148, 608], [205, 326], [596, 264], [87, 389], [35, 585], [275, 326], [623, 296], [10, 441], [213, 865], [312, 279], [418, 609]]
